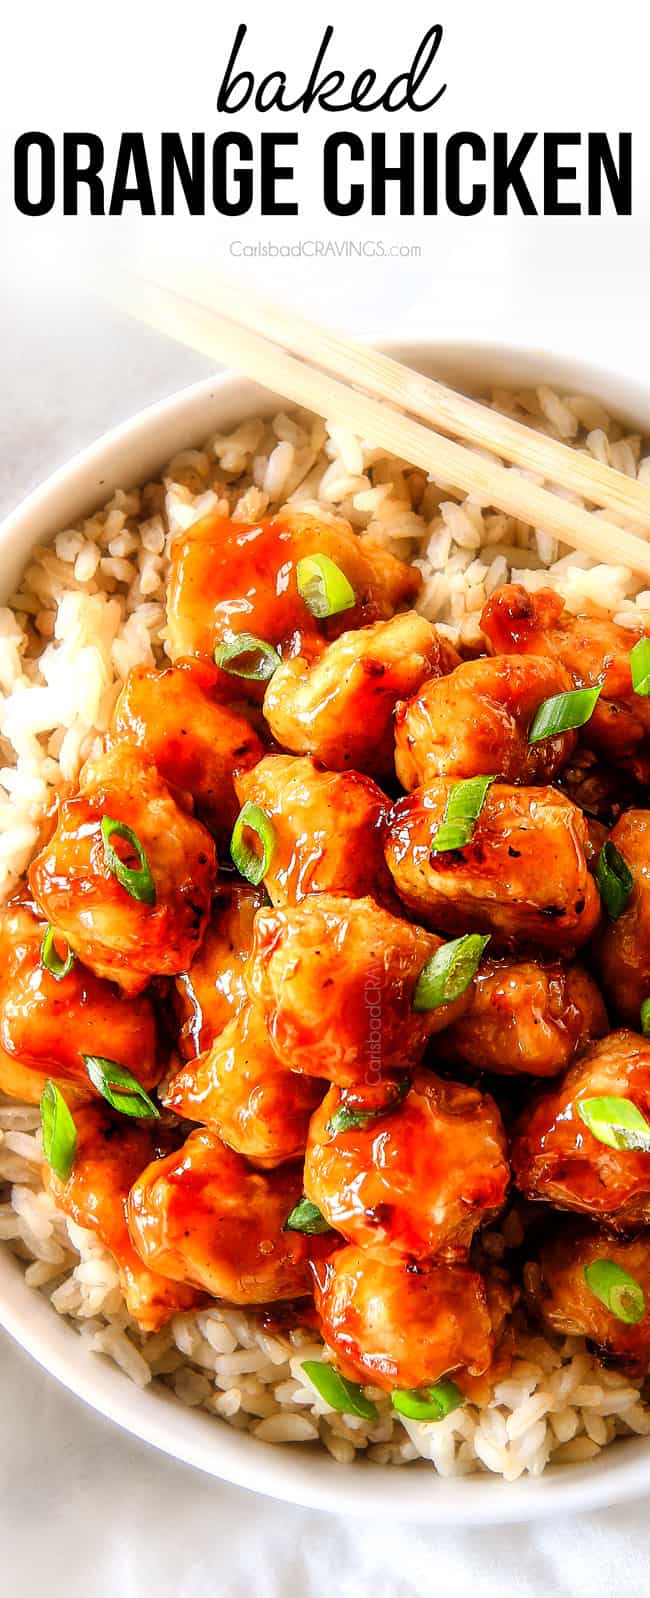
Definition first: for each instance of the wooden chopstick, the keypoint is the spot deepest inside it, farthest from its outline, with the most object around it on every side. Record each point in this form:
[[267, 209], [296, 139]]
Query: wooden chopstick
[[448, 462], [455, 414]]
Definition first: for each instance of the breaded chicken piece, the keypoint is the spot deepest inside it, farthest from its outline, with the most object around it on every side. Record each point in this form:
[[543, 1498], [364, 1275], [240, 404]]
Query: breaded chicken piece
[[623, 947], [77, 888], [558, 1290], [212, 991], [525, 1017]]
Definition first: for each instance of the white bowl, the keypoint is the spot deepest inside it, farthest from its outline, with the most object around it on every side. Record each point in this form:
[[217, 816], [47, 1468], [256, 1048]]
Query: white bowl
[[128, 455]]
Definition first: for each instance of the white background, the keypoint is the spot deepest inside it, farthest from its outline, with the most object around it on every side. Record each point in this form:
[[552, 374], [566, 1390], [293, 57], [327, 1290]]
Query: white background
[[81, 1506]]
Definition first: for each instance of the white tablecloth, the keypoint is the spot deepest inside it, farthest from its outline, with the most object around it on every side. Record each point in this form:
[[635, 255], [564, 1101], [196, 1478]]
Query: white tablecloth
[[83, 1508]]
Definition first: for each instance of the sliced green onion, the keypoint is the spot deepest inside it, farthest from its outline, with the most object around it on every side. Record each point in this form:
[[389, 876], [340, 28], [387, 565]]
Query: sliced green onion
[[248, 656], [617, 1290], [52, 961], [120, 1088], [306, 1217], [348, 1397], [614, 879], [249, 863], [462, 810], [449, 971], [323, 586], [139, 883], [644, 1015], [640, 667], [564, 712], [427, 1403], [59, 1131], [346, 1119], [616, 1122]]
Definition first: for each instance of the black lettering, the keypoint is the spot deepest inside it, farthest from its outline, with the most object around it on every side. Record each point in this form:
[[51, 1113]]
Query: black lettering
[[132, 151], [423, 60], [334, 204], [430, 174], [41, 203], [74, 174], [174, 164], [361, 89], [404, 174], [476, 202], [272, 174], [600, 159], [507, 174], [554, 174], [242, 177], [227, 85]]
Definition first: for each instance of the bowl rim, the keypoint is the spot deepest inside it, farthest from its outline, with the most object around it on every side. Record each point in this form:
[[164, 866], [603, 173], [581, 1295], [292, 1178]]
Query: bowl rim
[[294, 1473]]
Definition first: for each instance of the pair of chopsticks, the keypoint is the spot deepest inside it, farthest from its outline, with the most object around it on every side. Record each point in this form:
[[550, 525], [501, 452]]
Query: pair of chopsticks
[[399, 410]]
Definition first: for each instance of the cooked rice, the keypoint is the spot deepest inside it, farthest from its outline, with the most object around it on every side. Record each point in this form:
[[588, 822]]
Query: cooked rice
[[92, 605]]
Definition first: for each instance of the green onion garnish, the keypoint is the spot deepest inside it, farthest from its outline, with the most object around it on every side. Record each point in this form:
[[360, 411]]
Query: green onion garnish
[[346, 1119], [640, 667], [249, 863], [323, 586], [564, 712], [616, 1122], [617, 1290], [427, 1403], [462, 810], [52, 961], [614, 879], [449, 971], [644, 1016], [139, 883], [306, 1217], [59, 1131], [248, 656], [348, 1397], [120, 1088]]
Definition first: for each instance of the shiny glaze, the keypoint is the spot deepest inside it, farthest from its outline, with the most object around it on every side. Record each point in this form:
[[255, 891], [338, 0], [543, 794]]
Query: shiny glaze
[[204, 1217], [111, 1153], [592, 649], [327, 825], [197, 744], [419, 1179], [229, 577], [212, 991], [476, 721], [113, 933], [48, 1025], [557, 1158], [241, 1089], [340, 706], [525, 1016], [623, 948], [559, 1294], [335, 978], [399, 1325], [523, 876]]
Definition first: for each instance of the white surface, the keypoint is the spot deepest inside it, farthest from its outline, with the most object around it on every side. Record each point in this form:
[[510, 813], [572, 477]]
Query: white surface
[[110, 1513]]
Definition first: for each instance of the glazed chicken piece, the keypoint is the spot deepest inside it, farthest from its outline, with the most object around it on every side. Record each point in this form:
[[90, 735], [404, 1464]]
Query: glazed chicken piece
[[592, 649], [241, 1090], [228, 577], [340, 706], [556, 1154], [47, 1024], [623, 948], [335, 978], [111, 1152], [525, 1017], [197, 744], [523, 876], [558, 1290], [408, 1176], [207, 996], [327, 827], [202, 1216], [76, 887], [476, 722], [397, 1325]]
